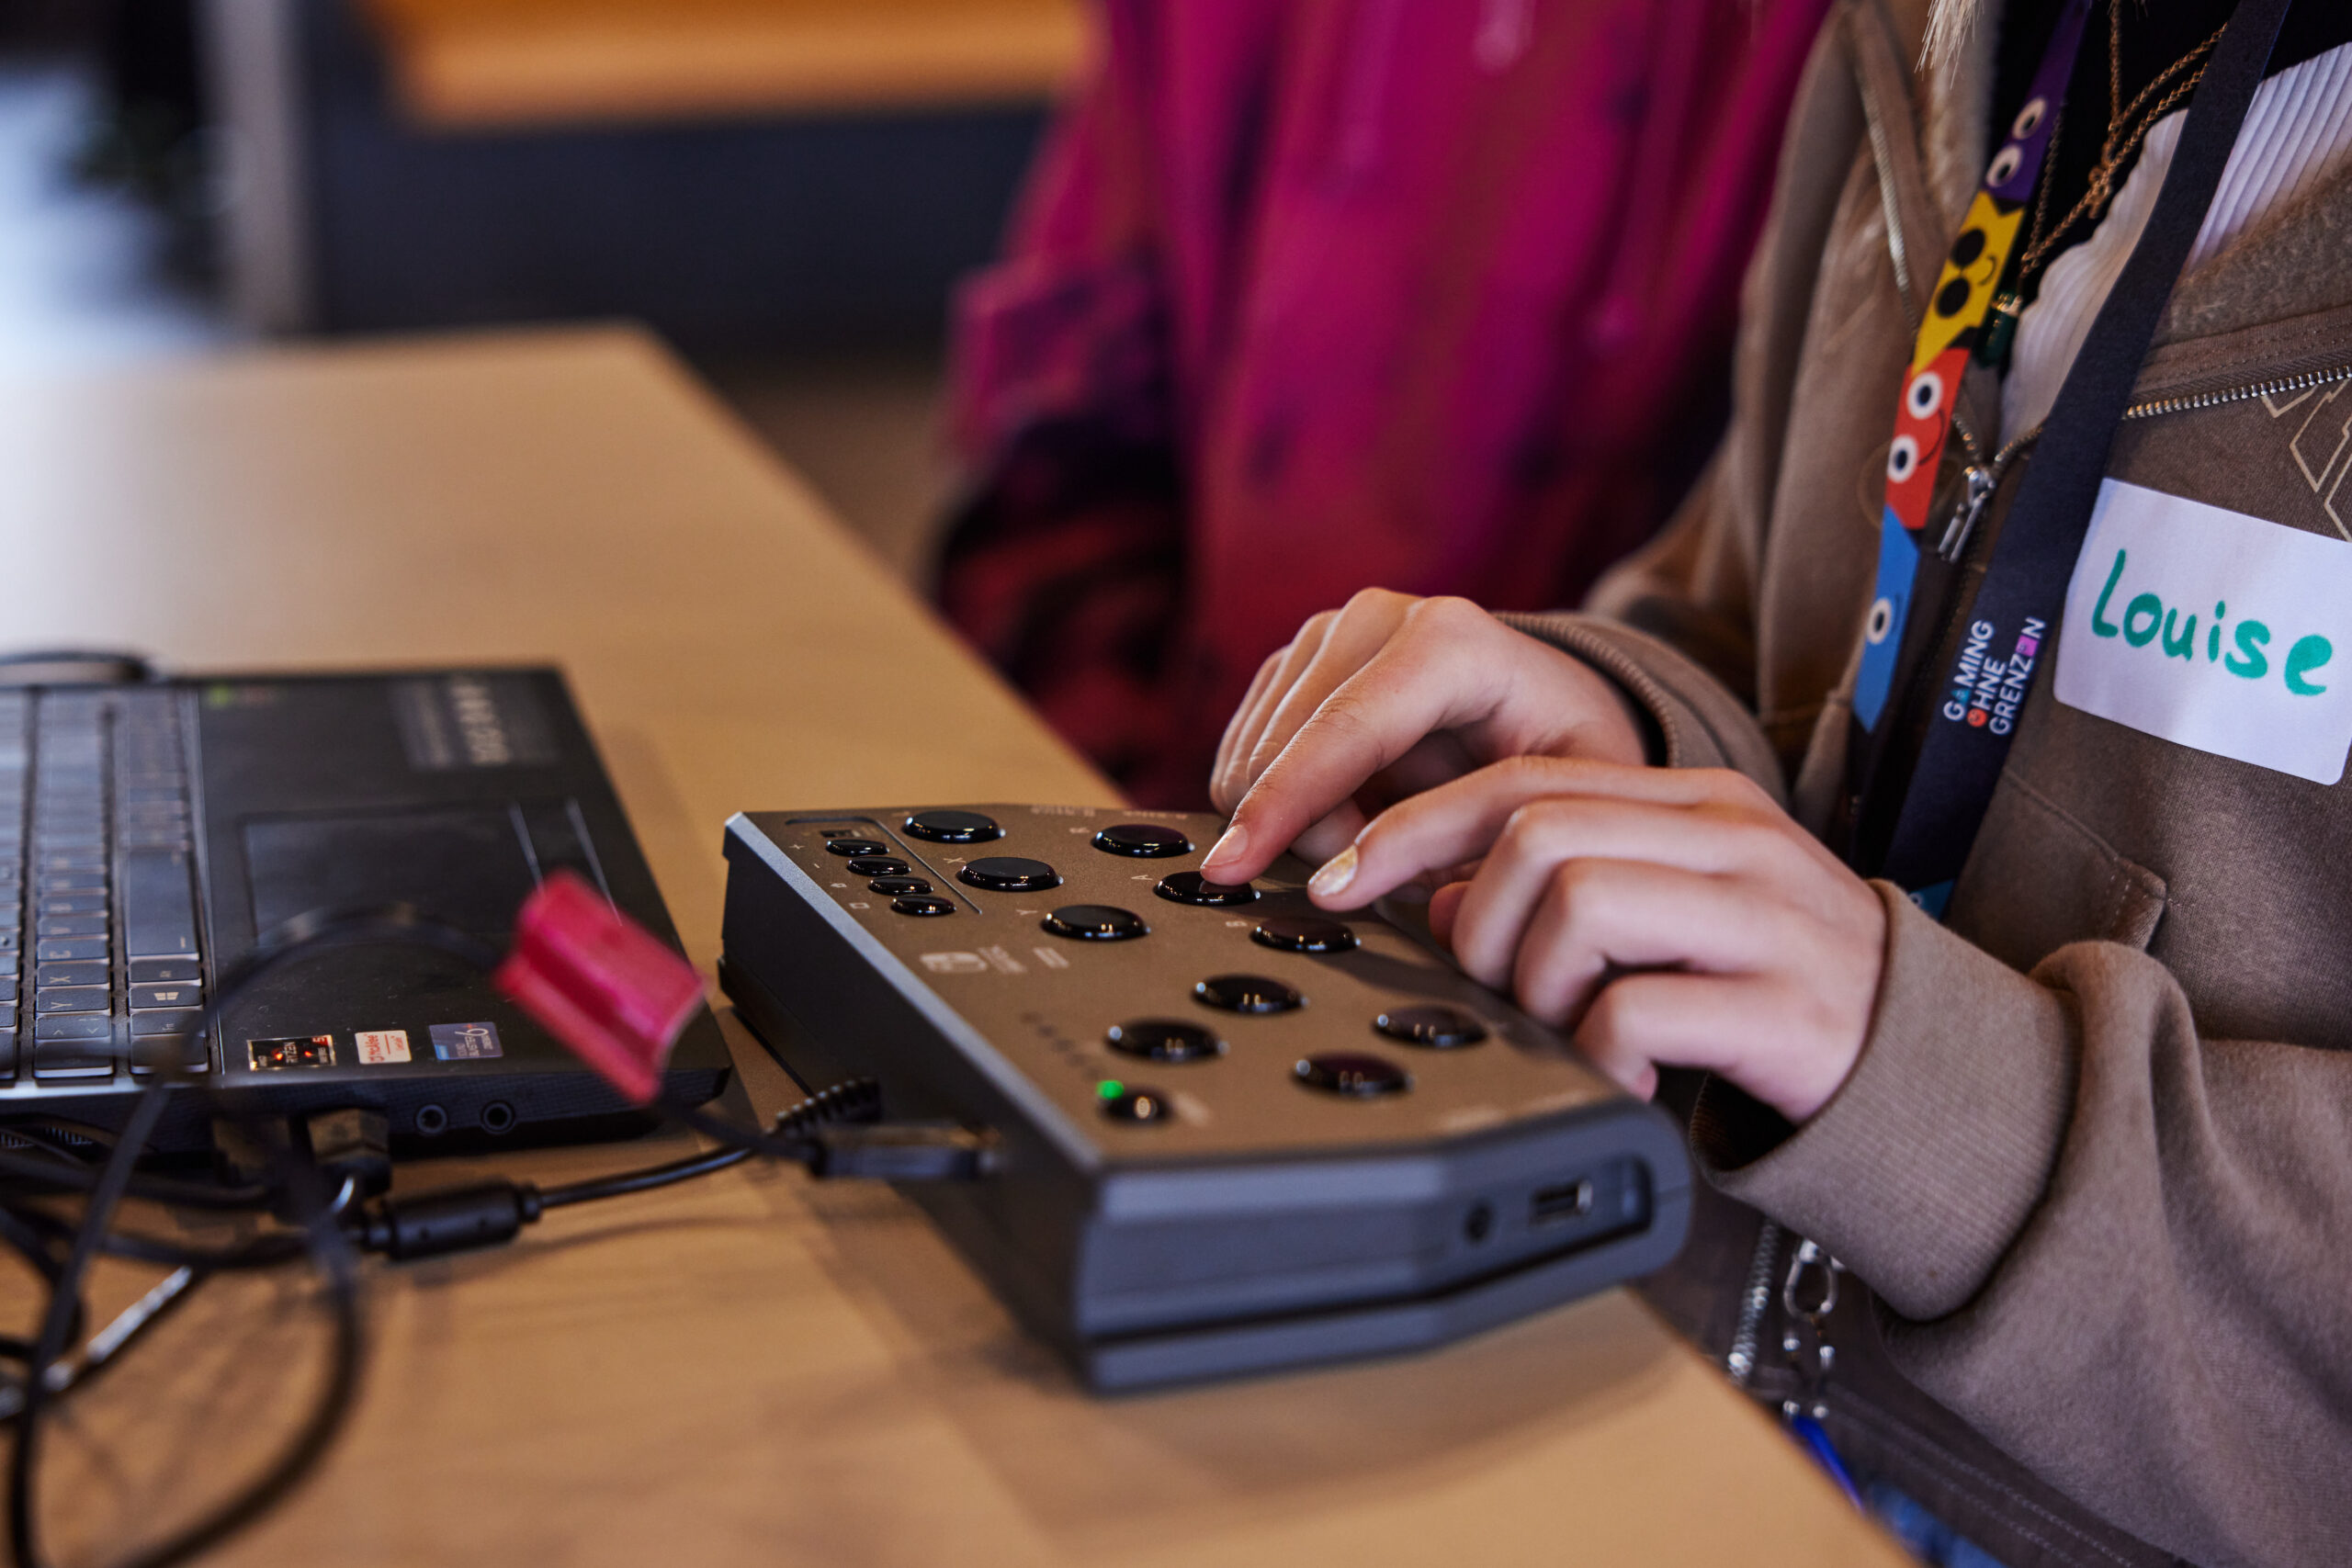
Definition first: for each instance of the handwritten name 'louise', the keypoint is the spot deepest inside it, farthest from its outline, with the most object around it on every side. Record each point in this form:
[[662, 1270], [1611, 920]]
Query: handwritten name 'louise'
[[2148, 619]]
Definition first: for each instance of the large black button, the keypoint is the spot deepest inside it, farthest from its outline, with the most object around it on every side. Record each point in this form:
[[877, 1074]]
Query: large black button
[[1146, 840], [1349, 1072], [855, 847], [1192, 888], [1134, 1104], [918, 905], [1247, 993], [1304, 933], [1095, 922], [954, 827], [898, 886], [877, 865], [1164, 1040], [1441, 1028], [1010, 874]]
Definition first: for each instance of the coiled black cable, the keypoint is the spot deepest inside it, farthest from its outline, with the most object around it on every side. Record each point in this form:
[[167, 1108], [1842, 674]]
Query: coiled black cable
[[49, 1159], [304, 937]]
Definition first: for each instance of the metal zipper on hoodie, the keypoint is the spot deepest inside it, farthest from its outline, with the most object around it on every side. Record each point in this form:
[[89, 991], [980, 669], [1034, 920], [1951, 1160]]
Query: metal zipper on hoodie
[[1755, 1300], [2303, 381], [1982, 478]]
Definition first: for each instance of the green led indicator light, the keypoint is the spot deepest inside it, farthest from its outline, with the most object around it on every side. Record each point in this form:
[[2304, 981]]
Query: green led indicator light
[[1110, 1089]]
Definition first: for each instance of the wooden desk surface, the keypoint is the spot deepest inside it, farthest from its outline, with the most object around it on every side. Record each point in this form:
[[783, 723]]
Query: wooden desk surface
[[747, 1367]]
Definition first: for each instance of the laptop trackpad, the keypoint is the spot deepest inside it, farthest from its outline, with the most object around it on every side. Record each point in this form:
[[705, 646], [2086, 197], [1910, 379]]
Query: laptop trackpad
[[465, 864]]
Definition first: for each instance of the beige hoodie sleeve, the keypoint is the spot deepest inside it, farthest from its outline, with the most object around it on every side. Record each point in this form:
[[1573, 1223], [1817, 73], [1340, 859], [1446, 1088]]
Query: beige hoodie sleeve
[[2123, 1251]]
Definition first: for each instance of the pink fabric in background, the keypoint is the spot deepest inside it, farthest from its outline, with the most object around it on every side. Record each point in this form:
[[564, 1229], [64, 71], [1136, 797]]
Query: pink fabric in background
[[1432, 295]]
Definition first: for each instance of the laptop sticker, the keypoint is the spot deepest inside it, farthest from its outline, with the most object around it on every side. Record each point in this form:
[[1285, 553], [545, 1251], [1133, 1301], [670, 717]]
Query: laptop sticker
[[2213, 629], [376, 1046], [291, 1051], [466, 1042], [468, 720]]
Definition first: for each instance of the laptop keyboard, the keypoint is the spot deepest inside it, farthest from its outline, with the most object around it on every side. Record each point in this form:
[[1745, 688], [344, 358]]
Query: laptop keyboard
[[98, 932]]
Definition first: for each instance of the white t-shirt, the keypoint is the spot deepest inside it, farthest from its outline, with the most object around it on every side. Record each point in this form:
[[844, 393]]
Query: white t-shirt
[[2297, 133]]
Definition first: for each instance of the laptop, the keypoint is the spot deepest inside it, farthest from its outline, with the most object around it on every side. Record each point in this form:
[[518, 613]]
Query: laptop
[[151, 830]]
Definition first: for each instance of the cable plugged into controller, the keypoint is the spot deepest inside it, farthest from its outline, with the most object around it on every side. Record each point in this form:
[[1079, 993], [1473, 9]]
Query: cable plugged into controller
[[618, 998], [491, 1213]]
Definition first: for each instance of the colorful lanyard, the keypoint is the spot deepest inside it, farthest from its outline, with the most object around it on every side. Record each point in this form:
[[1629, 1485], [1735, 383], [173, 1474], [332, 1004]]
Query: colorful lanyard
[[2009, 620], [1953, 326]]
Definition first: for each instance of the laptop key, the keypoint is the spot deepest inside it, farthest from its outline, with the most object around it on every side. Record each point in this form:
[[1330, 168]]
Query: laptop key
[[71, 903], [70, 925], [161, 971], [183, 994], [162, 1020], [73, 1026], [70, 860], [196, 1055], [83, 971], [158, 906], [7, 1053], [49, 950], [70, 999], [72, 1058]]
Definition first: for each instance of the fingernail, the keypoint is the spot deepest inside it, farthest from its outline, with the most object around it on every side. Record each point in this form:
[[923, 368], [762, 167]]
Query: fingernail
[[1336, 873], [1236, 839]]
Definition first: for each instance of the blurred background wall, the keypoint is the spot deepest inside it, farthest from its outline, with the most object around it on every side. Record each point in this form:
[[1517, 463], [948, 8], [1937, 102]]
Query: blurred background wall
[[784, 189]]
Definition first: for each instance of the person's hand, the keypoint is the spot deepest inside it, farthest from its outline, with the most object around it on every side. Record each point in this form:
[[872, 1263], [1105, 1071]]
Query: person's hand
[[1668, 917], [1388, 697]]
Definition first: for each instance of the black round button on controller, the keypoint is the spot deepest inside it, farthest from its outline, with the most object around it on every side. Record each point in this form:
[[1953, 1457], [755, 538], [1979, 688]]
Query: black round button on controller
[[1139, 1105], [1145, 840], [1440, 1028], [1010, 874], [1304, 933], [1351, 1074], [1164, 1040], [1095, 922], [1247, 993], [1192, 888], [916, 904], [855, 847], [954, 827], [877, 865], [898, 886]]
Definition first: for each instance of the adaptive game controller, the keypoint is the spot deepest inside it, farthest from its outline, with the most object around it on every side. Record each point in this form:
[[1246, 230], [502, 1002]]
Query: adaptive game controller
[[1233, 1131]]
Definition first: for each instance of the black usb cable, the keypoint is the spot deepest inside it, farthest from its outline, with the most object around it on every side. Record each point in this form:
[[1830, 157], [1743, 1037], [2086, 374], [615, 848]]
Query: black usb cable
[[836, 1133]]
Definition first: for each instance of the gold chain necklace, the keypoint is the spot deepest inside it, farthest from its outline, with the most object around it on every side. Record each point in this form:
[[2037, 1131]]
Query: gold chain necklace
[[2127, 127]]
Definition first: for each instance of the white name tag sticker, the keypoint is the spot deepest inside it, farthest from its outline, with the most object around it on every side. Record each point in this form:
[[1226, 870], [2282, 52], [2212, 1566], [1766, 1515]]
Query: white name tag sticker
[[2213, 629]]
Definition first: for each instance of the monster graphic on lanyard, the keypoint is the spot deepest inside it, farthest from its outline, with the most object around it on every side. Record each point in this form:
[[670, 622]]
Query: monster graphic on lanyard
[[1953, 329]]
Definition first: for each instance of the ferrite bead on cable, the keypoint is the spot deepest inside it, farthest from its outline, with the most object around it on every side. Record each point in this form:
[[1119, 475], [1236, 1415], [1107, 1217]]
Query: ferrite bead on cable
[[456, 1220]]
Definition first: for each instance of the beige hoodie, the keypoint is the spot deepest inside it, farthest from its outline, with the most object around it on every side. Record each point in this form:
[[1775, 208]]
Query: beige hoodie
[[2096, 1158]]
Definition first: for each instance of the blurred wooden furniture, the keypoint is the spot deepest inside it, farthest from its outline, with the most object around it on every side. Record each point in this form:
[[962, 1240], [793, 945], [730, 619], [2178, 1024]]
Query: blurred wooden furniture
[[485, 63], [740, 174], [748, 1368]]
